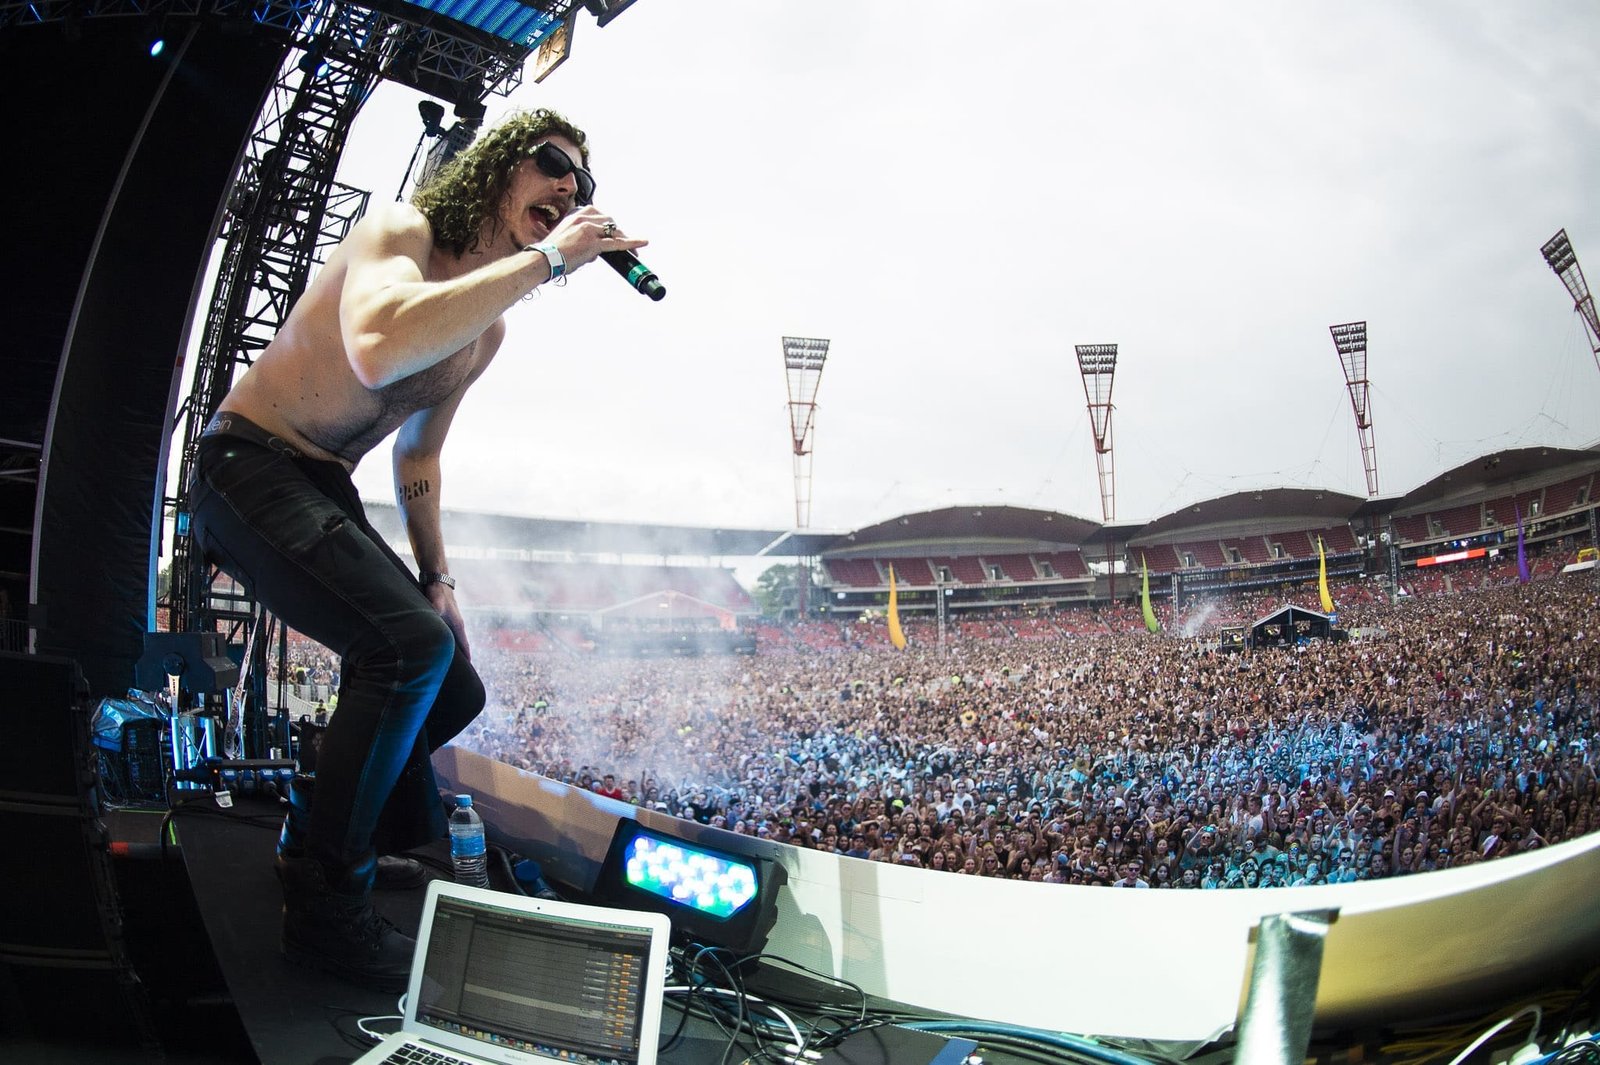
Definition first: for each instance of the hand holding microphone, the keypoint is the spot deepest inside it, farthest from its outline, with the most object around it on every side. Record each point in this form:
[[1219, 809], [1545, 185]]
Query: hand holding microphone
[[635, 273], [638, 276], [641, 277]]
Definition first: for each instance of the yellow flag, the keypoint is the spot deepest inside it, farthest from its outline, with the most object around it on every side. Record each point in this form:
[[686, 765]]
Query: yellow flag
[[896, 637], [1322, 579], [1150, 621]]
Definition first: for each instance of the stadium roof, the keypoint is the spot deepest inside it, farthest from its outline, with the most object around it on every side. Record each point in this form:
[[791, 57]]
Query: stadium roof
[[974, 524], [1497, 473], [1265, 504], [589, 538]]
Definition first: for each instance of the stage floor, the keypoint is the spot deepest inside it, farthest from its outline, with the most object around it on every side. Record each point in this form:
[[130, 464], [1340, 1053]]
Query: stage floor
[[294, 1014]]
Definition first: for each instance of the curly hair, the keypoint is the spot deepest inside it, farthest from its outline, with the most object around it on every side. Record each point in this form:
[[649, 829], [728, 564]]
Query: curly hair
[[466, 192]]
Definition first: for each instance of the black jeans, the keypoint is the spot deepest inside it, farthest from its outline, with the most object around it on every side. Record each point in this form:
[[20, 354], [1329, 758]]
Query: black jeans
[[293, 532]]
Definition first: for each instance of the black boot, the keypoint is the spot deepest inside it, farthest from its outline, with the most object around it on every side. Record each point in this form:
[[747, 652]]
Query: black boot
[[329, 924], [394, 872]]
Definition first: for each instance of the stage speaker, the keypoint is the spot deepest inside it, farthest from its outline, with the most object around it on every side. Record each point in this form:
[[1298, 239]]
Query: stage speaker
[[63, 964], [46, 755]]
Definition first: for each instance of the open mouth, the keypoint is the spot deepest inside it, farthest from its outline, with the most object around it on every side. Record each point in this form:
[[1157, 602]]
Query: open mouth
[[545, 216]]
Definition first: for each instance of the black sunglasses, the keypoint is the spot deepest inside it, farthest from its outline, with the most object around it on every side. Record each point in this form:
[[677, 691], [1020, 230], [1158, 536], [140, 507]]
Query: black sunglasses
[[555, 163]]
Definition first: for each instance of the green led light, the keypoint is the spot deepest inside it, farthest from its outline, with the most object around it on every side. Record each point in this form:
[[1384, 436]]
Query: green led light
[[713, 884]]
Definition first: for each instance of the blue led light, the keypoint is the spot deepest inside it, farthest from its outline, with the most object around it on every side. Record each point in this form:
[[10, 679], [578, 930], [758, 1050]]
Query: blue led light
[[507, 19], [714, 884]]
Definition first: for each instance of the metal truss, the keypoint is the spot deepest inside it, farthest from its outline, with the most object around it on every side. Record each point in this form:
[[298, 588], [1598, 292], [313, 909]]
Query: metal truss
[[1560, 257], [1097, 364], [411, 45], [1350, 340], [283, 215]]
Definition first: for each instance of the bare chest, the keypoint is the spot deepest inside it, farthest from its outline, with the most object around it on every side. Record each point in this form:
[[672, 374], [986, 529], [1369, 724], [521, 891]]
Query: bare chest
[[427, 388]]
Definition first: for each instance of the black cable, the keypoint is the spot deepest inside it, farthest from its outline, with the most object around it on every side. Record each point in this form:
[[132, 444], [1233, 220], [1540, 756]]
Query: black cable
[[735, 986], [818, 1006], [357, 1039], [683, 1017], [505, 863], [1568, 1015], [1583, 1052]]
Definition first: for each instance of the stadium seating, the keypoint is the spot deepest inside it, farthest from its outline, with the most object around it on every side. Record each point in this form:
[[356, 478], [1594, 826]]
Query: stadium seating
[[1338, 540], [856, 572], [1069, 565], [1252, 549], [1412, 529], [967, 569], [1161, 558], [1207, 553], [909, 571], [1566, 495], [1462, 520], [588, 587], [1015, 567], [1295, 544]]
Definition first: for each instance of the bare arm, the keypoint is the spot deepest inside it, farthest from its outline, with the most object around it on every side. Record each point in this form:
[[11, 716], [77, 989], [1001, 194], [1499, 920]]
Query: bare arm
[[396, 322], [416, 486]]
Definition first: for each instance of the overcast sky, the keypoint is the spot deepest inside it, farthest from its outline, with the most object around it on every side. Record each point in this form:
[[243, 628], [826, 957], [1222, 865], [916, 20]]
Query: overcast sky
[[956, 194]]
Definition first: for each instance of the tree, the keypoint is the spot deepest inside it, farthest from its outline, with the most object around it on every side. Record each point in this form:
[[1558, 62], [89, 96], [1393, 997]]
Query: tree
[[777, 590]]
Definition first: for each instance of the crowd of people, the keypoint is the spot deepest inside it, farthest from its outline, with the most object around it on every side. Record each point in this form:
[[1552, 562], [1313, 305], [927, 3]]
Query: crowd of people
[[1455, 729], [1458, 729]]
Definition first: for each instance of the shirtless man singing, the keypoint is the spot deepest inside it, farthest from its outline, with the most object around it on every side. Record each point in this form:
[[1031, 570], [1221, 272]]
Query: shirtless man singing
[[402, 319]]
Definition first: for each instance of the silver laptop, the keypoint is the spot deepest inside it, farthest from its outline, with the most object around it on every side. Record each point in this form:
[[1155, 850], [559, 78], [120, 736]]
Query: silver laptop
[[501, 979]]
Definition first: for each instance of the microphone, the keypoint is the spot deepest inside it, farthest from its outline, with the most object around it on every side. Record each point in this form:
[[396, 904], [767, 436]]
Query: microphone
[[641, 277]]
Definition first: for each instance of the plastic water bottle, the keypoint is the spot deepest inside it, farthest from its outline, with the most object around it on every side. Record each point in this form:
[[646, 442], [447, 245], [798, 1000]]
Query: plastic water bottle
[[468, 851]]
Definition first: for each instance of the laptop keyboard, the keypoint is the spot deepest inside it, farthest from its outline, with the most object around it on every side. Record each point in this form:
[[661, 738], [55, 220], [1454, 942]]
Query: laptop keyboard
[[410, 1054]]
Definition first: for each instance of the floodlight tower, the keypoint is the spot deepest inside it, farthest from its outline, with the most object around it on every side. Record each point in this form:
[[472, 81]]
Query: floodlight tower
[[1097, 364], [803, 358], [1350, 340], [1564, 261]]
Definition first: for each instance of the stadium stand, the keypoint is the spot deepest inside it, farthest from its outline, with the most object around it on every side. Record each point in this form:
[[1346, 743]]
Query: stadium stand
[[1411, 529], [968, 569], [1460, 521], [1338, 540], [1161, 558], [1251, 549], [856, 572], [587, 587], [1015, 567], [1295, 544], [1567, 495], [909, 571], [1069, 565], [1207, 553]]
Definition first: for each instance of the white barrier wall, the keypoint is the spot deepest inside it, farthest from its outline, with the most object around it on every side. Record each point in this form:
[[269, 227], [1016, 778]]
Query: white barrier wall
[[1170, 965]]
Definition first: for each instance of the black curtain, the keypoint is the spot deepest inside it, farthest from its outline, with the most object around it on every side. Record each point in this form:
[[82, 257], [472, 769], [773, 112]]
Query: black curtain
[[119, 165]]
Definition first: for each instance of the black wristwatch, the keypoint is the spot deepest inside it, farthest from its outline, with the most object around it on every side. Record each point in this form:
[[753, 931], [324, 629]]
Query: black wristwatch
[[425, 579]]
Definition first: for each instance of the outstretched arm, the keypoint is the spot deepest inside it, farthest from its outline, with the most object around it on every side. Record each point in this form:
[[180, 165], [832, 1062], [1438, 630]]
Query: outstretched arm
[[396, 322]]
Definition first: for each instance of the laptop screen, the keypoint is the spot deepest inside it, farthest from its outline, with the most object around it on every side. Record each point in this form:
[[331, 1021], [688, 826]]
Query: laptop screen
[[546, 983]]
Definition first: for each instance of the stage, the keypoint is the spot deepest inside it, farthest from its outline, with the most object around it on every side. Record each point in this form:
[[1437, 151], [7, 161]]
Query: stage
[[292, 1013], [250, 1004]]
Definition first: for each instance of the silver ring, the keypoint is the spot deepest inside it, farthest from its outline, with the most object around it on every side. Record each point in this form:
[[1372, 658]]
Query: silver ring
[[608, 229]]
